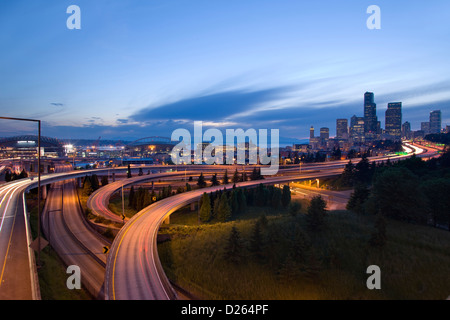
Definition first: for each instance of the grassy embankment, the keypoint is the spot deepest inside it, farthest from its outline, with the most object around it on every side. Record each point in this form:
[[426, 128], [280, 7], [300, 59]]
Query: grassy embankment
[[414, 263]]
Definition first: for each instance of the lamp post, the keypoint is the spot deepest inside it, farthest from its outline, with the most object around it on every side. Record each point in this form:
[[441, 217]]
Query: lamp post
[[39, 180]]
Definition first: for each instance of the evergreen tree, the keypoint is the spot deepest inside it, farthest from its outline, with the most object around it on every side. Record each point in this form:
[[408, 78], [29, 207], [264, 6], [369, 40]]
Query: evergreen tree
[[286, 196], [214, 180], [8, 176], [235, 178], [234, 247], [244, 176], [316, 213], [205, 209], [87, 186], [294, 208], [362, 171], [256, 241], [201, 181], [254, 175], [104, 181], [276, 197], [242, 201], [347, 176], [94, 182], [224, 209], [234, 203], [140, 172], [129, 172], [225, 179], [358, 198]]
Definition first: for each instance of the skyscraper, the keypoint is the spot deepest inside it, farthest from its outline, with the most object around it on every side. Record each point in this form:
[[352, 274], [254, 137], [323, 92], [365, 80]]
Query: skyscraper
[[357, 128], [370, 113], [435, 121], [394, 120], [425, 127], [324, 133], [406, 130], [311, 132], [342, 128]]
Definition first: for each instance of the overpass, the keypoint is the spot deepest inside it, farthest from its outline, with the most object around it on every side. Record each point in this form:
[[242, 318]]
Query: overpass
[[18, 277]]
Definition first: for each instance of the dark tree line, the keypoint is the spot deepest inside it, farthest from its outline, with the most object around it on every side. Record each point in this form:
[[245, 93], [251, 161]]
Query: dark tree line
[[411, 190], [11, 176], [224, 205]]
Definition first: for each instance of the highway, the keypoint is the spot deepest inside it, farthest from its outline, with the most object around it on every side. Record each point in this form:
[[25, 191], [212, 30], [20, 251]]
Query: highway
[[18, 277], [72, 238], [134, 271]]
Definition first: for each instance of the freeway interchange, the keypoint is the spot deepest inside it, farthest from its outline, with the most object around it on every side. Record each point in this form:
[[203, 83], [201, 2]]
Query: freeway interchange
[[131, 270]]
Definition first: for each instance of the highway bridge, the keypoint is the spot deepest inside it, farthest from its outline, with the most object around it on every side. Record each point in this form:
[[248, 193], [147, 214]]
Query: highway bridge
[[132, 269]]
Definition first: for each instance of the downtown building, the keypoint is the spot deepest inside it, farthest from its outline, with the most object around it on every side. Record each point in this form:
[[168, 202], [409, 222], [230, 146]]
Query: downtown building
[[393, 121], [435, 121]]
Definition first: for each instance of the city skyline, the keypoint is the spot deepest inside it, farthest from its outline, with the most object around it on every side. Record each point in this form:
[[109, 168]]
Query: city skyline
[[136, 69]]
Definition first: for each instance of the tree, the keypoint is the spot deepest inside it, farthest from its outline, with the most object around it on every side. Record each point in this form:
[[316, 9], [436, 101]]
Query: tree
[[104, 181], [205, 209], [235, 178], [276, 197], [129, 172], [358, 198], [201, 181], [224, 210], [233, 249], [362, 171], [397, 195], [316, 213], [286, 196], [8, 176], [140, 172], [94, 182], [256, 241], [225, 179], [347, 176], [437, 193], [295, 208], [214, 180], [87, 187]]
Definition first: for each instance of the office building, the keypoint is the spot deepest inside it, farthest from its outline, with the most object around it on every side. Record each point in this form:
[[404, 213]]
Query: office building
[[435, 121], [370, 113], [393, 124], [342, 129], [425, 127], [406, 130], [357, 129]]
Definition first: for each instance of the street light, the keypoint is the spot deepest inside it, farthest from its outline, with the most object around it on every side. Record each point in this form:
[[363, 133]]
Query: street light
[[39, 180]]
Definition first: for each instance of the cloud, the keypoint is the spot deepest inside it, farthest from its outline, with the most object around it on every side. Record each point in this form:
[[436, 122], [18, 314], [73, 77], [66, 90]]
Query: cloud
[[57, 104], [213, 107]]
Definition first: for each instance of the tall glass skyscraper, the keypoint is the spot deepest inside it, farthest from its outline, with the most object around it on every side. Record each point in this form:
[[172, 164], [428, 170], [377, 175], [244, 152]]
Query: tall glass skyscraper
[[435, 121], [370, 113], [394, 120], [342, 128]]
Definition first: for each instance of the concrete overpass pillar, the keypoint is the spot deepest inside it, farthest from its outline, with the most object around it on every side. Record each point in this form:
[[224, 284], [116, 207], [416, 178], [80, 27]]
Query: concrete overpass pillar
[[79, 182], [167, 220], [114, 177], [44, 192], [192, 206]]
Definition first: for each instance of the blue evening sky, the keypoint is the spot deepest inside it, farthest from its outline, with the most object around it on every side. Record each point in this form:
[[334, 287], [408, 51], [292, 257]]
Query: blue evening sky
[[141, 68]]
